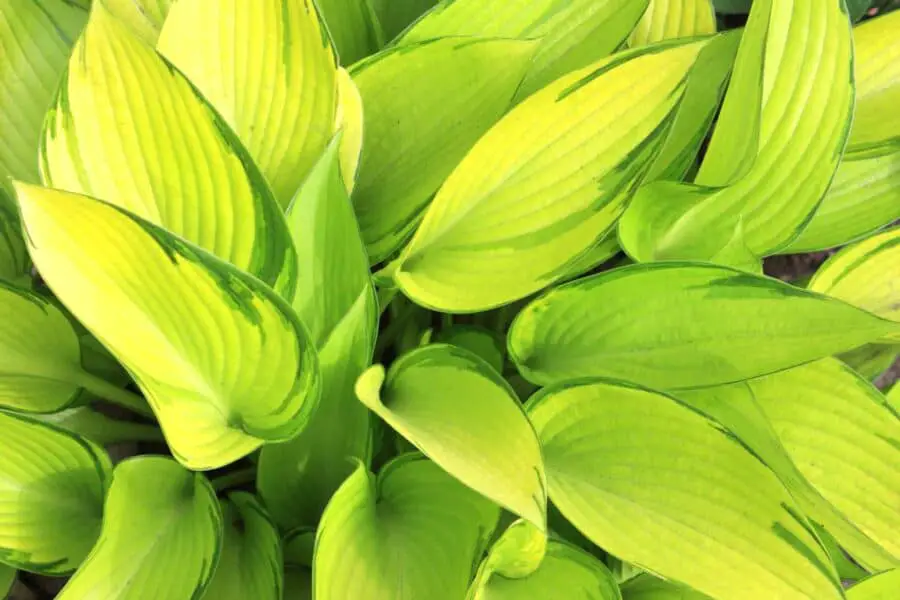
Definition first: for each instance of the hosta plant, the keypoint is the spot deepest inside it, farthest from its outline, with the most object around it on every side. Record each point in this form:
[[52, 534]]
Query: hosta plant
[[457, 300]]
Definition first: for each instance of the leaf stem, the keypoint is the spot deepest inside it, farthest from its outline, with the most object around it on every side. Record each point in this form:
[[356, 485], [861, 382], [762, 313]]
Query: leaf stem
[[234, 479], [114, 394]]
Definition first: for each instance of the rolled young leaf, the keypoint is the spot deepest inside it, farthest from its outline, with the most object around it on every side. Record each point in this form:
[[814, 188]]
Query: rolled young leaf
[[882, 586], [669, 19], [761, 180], [158, 519], [663, 487], [268, 68], [225, 368], [336, 300], [129, 129], [426, 104], [144, 17], [462, 414], [52, 485], [682, 325], [412, 533], [250, 564], [545, 184]]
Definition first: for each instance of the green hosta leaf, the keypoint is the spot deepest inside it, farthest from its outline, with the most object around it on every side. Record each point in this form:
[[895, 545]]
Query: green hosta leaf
[[52, 485], [298, 560], [396, 15], [161, 537], [517, 553], [412, 533], [336, 300], [145, 18], [565, 572], [661, 486], [762, 177], [353, 26], [736, 408], [100, 429], [882, 586], [858, 8], [521, 206], [484, 343], [460, 412], [668, 19], [226, 368], [647, 587], [268, 68], [730, 7], [7, 578], [13, 255], [572, 33], [865, 275], [251, 563], [844, 438], [893, 398], [426, 104], [871, 360], [350, 121], [682, 325], [130, 130]]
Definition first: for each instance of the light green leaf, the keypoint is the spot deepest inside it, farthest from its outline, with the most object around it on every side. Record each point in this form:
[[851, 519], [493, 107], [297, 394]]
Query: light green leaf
[[682, 325], [52, 485], [484, 343], [268, 68], [648, 587], [251, 563], [336, 300], [7, 579], [566, 572], [100, 429], [572, 33], [461, 413], [517, 553], [13, 255], [225, 369], [426, 104], [844, 438], [882, 586], [396, 15], [893, 398], [669, 19], [350, 122], [129, 129], [521, 207], [865, 275], [145, 18], [663, 487], [412, 533], [158, 519], [353, 26], [767, 176]]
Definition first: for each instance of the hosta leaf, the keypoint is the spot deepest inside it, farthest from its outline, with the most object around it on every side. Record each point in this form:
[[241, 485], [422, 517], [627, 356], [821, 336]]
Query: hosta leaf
[[516, 553], [462, 414], [682, 325], [522, 206], [350, 120], [482, 342], [865, 275], [412, 533], [13, 255], [871, 360], [251, 563], [426, 104], [893, 398], [268, 68], [335, 299], [668, 19], [844, 438], [394, 16], [663, 487], [786, 159], [130, 130], [882, 586], [572, 33], [565, 572], [226, 368], [161, 536], [353, 26], [51, 495], [298, 559], [145, 18], [99, 428], [647, 587], [7, 578]]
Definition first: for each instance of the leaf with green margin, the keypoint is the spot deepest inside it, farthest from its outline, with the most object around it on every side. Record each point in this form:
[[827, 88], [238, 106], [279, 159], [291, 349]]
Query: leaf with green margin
[[335, 299], [7, 579], [394, 16], [882, 586], [250, 564], [350, 121], [682, 325], [865, 275], [268, 68], [462, 414], [99, 428], [521, 207], [484, 343], [225, 369], [353, 26], [426, 105], [788, 158], [669, 19], [844, 438], [52, 485], [648, 587], [413, 532], [129, 129], [158, 519], [660, 485], [736, 408], [145, 18], [565, 572], [572, 33]]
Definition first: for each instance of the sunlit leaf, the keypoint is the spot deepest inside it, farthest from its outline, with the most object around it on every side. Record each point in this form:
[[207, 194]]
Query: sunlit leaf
[[350, 121], [882, 586], [668, 19], [145, 18]]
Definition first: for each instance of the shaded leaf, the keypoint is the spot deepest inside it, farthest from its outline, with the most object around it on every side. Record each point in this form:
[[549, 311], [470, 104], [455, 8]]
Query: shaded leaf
[[100, 429], [648, 587], [353, 26]]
